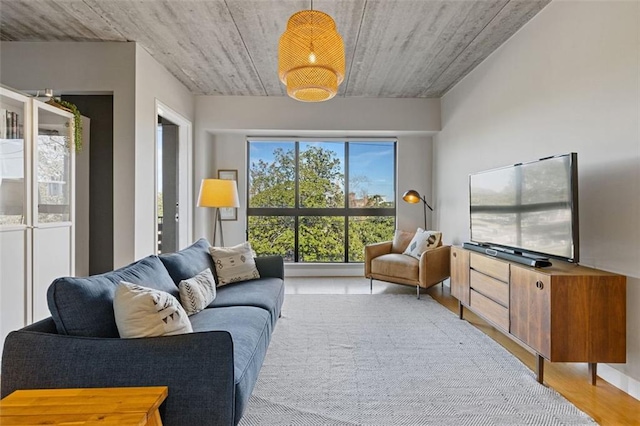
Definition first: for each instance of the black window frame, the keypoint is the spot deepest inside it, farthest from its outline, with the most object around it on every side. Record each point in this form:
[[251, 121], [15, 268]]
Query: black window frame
[[346, 212]]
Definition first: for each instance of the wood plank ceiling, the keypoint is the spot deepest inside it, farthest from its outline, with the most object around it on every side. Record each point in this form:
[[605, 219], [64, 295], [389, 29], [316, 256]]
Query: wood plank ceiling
[[401, 48]]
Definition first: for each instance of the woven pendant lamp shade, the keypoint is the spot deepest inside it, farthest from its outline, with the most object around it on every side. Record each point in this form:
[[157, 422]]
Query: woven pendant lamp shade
[[311, 57]]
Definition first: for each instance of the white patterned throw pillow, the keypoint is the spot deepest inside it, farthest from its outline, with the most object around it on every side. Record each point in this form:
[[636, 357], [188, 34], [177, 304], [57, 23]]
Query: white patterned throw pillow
[[146, 312], [234, 264], [197, 292], [423, 241]]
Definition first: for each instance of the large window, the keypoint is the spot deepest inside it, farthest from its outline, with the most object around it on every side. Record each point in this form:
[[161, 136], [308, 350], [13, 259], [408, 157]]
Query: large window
[[320, 201]]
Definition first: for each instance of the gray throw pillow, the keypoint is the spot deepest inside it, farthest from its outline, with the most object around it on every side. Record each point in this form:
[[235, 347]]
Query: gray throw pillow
[[197, 292]]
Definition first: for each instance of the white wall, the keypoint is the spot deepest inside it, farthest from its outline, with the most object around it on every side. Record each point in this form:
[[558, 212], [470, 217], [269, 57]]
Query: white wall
[[136, 80], [204, 167], [153, 81], [567, 81], [71, 67], [414, 172], [224, 122], [229, 152], [283, 114]]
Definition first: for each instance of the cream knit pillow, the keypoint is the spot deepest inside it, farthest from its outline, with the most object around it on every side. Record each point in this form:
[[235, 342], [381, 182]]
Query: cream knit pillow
[[146, 312], [197, 292], [234, 264]]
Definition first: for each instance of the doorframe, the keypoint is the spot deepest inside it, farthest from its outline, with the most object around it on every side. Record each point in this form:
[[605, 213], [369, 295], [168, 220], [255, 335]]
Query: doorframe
[[185, 174]]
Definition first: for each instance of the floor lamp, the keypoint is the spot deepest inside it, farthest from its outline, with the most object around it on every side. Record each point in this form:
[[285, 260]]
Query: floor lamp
[[412, 196], [218, 193]]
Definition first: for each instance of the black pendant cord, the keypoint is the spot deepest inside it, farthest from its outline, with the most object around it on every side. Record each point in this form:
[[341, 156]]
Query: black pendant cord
[[311, 27]]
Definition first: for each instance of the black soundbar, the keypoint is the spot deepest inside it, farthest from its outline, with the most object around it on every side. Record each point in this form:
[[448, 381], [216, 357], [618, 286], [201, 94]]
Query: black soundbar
[[538, 262]]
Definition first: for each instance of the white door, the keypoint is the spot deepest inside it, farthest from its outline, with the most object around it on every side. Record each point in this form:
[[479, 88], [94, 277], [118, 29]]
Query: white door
[[173, 180], [53, 201]]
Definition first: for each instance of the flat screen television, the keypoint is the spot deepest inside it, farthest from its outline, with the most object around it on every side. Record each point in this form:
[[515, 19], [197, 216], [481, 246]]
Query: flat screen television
[[528, 208]]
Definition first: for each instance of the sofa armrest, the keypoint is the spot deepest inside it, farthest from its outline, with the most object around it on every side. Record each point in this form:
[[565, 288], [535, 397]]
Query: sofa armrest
[[372, 251], [197, 368], [46, 325], [270, 266], [435, 266]]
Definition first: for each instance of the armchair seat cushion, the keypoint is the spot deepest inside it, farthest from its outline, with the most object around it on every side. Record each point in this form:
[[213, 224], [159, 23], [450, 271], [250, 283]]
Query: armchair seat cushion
[[396, 265]]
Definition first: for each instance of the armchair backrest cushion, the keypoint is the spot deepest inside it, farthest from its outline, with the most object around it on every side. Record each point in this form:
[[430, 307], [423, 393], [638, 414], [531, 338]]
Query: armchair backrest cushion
[[84, 306], [401, 240], [189, 262]]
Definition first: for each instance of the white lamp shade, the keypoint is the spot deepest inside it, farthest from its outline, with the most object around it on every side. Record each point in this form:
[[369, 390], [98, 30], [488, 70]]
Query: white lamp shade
[[218, 193]]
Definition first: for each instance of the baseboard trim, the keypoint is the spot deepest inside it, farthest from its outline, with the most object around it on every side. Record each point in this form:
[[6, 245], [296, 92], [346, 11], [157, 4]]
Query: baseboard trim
[[620, 380], [324, 270]]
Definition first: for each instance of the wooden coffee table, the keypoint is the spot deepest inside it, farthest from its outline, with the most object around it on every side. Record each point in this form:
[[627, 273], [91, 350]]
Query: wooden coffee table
[[90, 406]]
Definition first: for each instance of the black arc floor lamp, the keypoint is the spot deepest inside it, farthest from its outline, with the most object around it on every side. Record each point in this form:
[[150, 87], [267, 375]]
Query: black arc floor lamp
[[412, 196]]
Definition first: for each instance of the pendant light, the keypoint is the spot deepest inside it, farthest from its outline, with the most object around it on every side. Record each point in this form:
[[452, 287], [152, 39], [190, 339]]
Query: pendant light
[[311, 57]]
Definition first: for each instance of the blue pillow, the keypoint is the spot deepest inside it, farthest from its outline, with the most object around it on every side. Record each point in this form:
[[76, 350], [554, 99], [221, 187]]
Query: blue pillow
[[84, 306], [189, 262]]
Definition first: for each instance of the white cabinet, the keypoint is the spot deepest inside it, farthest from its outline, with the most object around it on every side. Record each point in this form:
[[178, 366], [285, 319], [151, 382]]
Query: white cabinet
[[53, 189], [37, 164], [15, 234]]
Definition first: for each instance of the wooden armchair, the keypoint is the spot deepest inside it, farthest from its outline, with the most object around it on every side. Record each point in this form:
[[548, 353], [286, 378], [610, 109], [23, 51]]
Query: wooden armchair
[[385, 262]]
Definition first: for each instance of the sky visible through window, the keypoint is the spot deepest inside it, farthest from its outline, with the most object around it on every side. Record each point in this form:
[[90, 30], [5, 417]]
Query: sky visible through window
[[371, 166]]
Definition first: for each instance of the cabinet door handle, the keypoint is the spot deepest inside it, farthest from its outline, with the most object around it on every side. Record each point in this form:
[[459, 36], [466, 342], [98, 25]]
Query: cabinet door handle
[[455, 254], [539, 285]]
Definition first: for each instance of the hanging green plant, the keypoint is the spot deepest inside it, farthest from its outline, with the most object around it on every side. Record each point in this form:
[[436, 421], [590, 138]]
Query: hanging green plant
[[77, 120]]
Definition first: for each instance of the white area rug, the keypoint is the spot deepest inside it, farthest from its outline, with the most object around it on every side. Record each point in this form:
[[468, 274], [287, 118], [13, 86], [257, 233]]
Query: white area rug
[[394, 360]]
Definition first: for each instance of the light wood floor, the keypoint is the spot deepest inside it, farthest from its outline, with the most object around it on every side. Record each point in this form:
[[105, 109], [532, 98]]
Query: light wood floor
[[607, 404]]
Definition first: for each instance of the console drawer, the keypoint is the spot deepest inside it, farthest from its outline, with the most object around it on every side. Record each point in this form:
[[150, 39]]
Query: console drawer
[[492, 311], [488, 266], [490, 287]]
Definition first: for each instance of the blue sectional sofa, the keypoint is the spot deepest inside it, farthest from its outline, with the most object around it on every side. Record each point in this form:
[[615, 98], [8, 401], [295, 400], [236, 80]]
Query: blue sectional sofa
[[210, 372]]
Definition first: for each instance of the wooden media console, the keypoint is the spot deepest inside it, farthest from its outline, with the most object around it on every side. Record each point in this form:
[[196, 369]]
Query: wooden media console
[[563, 313]]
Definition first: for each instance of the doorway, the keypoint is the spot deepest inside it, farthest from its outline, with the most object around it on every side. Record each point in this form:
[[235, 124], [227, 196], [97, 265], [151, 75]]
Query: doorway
[[173, 183]]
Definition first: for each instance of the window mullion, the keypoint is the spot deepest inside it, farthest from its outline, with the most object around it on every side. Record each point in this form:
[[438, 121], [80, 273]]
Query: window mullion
[[395, 178], [296, 252], [296, 205], [346, 202]]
